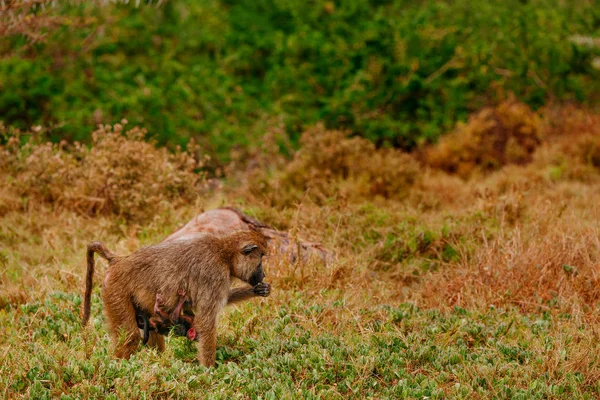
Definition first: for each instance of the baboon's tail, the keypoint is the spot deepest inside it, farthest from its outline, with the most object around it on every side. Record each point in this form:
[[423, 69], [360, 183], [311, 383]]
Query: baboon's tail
[[94, 247]]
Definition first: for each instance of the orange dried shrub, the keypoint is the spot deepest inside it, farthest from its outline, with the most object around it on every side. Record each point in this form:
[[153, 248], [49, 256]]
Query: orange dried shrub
[[571, 149], [506, 134], [330, 163], [120, 174]]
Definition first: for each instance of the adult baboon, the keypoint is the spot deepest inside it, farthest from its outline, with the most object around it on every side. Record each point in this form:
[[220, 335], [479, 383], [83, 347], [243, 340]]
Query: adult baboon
[[200, 267], [224, 220]]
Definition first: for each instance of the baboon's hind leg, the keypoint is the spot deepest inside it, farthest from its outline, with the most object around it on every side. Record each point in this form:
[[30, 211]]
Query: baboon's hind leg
[[120, 315]]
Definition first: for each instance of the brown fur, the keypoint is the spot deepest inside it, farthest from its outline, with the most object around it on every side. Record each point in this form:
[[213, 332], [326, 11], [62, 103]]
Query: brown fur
[[200, 266], [222, 221]]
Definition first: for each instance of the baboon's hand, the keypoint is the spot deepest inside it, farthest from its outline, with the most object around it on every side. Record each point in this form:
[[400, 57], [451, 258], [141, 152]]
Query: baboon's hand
[[262, 289]]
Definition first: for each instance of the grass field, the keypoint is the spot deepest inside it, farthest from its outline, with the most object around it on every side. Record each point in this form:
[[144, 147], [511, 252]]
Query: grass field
[[457, 276]]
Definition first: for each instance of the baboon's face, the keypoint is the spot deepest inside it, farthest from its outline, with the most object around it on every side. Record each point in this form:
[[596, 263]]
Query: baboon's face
[[248, 263]]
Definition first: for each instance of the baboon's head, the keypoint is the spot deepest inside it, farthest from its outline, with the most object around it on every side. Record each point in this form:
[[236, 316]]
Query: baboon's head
[[249, 248]]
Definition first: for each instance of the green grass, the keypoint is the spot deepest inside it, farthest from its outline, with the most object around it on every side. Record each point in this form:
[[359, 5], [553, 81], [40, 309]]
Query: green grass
[[309, 347]]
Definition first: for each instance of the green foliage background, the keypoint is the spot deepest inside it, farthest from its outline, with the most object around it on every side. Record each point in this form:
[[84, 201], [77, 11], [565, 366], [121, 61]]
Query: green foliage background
[[398, 72]]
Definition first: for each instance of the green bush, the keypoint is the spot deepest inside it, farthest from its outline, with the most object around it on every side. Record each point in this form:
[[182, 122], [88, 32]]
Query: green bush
[[397, 72]]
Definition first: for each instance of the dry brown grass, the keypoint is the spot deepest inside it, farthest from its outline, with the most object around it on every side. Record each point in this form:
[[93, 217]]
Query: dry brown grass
[[549, 263], [524, 235]]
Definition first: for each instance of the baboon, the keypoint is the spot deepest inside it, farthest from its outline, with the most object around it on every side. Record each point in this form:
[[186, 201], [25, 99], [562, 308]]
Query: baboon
[[222, 221], [199, 267]]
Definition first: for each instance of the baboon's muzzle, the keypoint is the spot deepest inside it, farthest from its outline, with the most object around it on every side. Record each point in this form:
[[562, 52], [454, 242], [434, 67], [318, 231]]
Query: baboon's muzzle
[[258, 276]]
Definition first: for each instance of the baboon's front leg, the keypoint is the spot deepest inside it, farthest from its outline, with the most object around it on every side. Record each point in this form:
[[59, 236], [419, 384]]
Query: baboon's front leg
[[207, 344], [243, 293]]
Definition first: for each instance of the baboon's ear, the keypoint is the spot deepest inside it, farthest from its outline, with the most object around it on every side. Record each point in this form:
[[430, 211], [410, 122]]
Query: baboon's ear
[[249, 249]]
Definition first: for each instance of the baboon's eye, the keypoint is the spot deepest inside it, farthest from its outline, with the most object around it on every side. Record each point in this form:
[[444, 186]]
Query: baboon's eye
[[249, 249]]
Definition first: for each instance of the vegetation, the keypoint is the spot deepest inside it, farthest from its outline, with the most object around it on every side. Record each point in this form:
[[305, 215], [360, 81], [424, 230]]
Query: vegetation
[[396, 72], [443, 287], [467, 267], [118, 174]]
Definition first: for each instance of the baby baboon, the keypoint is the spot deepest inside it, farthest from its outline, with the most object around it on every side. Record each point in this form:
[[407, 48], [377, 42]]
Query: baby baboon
[[200, 267], [162, 322], [178, 321]]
